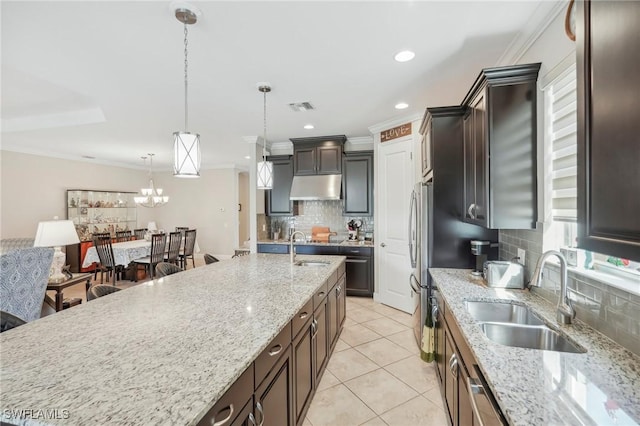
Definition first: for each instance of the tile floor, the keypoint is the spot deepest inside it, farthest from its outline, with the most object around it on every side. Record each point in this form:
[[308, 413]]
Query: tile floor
[[375, 375]]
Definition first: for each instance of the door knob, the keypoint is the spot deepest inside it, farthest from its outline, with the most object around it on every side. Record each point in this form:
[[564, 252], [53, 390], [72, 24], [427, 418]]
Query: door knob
[[383, 245]]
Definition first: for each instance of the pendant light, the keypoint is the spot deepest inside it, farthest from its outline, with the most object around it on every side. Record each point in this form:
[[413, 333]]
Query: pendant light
[[186, 145], [151, 196], [265, 168]]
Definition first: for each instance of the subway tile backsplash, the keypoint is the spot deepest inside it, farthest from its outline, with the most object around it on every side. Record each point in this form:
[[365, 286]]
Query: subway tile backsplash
[[610, 310]]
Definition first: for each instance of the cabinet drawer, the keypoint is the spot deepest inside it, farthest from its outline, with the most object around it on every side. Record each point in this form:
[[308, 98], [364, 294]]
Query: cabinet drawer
[[356, 251], [272, 353], [301, 318], [320, 294], [317, 250], [273, 248], [333, 279], [233, 402]]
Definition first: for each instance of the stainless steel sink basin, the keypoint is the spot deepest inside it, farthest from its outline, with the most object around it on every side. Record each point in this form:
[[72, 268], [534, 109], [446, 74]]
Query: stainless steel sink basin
[[310, 263], [501, 312], [532, 337]]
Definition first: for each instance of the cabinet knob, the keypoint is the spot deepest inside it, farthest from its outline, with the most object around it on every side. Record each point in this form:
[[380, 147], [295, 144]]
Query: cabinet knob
[[383, 245]]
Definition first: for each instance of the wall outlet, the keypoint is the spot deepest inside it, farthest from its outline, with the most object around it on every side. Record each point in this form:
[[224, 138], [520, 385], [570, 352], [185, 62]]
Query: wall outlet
[[521, 255]]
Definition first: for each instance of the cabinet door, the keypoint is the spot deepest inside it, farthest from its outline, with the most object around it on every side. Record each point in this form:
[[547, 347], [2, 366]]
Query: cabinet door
[[450, 380], [303, 370], [278, 202], [359, 279], [465, 411], [480, 151], [304, 161], [332, 316], [321, 339], [329, 160], [275, 394], [439, 344], [608, 127], [341, 300], [357, 184], [426, 150], [469, 166]]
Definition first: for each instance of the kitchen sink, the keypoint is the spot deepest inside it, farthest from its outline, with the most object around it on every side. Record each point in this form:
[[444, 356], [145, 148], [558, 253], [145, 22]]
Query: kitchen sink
[[502, 312], [310, 263], [532, 337]]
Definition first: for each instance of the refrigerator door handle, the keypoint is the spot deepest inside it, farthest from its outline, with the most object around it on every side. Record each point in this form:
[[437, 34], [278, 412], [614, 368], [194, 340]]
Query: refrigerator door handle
[[412, 229], [415, 285]]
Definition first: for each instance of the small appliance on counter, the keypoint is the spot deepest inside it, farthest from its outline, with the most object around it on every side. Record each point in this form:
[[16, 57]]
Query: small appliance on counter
[[482, 250], [504, 274], [353, 226]]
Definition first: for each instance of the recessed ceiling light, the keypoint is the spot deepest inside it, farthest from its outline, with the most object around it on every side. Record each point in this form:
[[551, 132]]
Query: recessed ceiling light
[[308, 126], [402, 105], [404, 56], [248, 157]]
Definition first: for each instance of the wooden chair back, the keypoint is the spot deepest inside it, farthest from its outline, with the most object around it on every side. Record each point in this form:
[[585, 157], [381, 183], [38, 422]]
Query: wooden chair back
[[175, 243], [140, 233], [158, 243], [122, 236], [105, 250], [190, 242]]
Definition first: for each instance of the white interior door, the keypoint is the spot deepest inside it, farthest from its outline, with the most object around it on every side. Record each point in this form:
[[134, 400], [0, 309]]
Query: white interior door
[[395, 183]]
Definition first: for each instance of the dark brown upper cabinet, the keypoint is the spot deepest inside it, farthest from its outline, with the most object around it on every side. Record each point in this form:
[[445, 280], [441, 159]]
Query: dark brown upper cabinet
[[499, 131], [318, 155], [357, 183], [277, 199], [608, 64]]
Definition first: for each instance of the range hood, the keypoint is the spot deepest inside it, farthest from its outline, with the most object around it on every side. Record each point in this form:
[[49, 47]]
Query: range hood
[[316, 187]]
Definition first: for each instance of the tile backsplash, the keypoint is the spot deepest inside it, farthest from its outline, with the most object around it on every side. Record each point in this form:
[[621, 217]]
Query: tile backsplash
[[319, 213], [610, 310]]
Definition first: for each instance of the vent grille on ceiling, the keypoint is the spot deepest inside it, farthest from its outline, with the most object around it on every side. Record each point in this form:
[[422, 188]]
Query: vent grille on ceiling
[[301, 106]]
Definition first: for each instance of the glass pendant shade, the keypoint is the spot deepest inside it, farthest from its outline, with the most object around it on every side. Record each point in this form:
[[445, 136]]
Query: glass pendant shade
[[186, 155], [265, 174]]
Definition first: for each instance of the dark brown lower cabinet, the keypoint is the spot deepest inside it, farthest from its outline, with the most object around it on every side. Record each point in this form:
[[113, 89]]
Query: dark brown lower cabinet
[[304, 372], [275, 394], [341, 301], [321, 342], [332, 312]]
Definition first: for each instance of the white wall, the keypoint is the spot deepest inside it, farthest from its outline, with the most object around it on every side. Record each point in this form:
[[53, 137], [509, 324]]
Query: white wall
[[33, 188], [243, 194]]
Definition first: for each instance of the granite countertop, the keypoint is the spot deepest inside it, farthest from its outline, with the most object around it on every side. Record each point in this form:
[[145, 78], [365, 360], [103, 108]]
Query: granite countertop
[[343, 243], [162, 352], [535, 387]]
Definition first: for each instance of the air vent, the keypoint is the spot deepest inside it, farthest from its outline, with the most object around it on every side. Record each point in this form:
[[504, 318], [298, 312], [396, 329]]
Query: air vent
[[301, 106], [89, 157]]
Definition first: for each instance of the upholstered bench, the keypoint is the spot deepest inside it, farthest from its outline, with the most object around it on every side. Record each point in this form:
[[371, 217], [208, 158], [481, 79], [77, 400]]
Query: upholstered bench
[[10, 244]]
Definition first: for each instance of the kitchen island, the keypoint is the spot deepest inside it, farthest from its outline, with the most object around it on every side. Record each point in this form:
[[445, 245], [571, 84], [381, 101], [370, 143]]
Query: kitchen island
[[162, 352], [542, 387]]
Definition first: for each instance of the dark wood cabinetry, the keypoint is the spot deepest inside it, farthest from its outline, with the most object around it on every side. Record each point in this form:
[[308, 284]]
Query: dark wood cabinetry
[[274, 397], [426, 148], [277, 199], [608, 127], [303, 366], [357, 183], [500, 148], [359, 276], [318, 155]]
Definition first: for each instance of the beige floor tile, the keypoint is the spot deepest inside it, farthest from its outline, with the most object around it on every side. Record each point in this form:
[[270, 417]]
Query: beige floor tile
[[349, 322], [402, 318], [348, 364], [418, 374], [376, 421], [380, 390], [386, 310], [352, 314], [306, 422], [367, 302], [328, 380], [351, 305], [384, 326], [366, 314], [417, 412], [434, 396], [383, 352], [338, 406], [341, 345], [358, 334], [406, 339]]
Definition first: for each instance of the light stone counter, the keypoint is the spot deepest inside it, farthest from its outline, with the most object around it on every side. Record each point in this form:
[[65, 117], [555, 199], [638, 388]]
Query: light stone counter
[[162, 352], [344, 243], [535, 387]]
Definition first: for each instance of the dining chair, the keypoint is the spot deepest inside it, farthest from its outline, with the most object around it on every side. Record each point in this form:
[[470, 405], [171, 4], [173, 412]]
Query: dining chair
[[122, 236], [107, 264], [9, 321], [183, 230], [99, 290], [139, 233], [175, 244], [158, 243], [165, 268], [187, 252], [209, 259]]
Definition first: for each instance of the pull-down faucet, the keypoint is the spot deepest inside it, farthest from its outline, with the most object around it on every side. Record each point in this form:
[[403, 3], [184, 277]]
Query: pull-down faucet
[[292, 250], [565, 312]]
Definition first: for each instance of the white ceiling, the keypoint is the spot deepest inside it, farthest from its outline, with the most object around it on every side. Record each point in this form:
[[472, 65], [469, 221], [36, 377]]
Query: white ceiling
[[105, 79]]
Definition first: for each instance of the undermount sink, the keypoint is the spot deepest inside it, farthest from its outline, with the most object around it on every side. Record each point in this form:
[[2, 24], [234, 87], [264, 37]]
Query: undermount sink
[[517, 325], [311, 263], [501, 312], [532, 337]]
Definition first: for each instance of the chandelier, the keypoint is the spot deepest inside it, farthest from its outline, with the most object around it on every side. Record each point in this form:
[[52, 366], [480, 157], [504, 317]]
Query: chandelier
[[151, 196], [186, 145], [265, 168]]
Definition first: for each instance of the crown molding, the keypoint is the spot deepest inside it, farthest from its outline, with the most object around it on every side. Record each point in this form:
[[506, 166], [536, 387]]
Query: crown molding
[[360, 140], [544, 14], [377, 128]]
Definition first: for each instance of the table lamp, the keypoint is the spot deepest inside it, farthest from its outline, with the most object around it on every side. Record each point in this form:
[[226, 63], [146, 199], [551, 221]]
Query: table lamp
[[56, 233]]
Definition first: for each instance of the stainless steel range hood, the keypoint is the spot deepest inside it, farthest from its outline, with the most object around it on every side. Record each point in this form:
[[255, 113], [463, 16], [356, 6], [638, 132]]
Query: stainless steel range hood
[[316, 187]]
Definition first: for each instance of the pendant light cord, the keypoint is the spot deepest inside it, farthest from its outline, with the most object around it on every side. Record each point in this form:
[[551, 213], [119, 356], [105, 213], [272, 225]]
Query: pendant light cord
[[264, 136], [186, 83]]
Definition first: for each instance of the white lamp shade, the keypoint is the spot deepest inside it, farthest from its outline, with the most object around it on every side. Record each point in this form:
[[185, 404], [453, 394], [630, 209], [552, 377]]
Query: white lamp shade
[[56, 233], [265, 175], [151, 226], [186, 155]]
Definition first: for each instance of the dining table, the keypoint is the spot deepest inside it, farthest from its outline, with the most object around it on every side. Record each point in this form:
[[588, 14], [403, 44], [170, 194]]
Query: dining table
[[123, 253]]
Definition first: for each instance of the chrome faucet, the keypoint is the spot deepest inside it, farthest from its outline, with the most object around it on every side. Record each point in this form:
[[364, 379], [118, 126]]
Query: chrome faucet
[[565, 313], [292, 249]]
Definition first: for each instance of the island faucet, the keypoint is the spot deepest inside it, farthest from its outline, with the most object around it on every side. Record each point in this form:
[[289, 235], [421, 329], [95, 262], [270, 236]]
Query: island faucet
[[565, 312], [292, 250]]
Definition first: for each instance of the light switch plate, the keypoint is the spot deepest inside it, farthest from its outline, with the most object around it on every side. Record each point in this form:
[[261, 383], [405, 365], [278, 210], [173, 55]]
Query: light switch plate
[[521, 255]]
